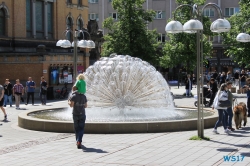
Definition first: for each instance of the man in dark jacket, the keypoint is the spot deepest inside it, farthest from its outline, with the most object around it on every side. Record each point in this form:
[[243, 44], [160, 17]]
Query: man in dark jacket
[[213, 90], [79, 102], [7, 93]]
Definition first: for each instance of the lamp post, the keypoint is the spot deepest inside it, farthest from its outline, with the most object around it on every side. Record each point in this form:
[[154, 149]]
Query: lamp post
[[82, 43], [244, 37], [196, 26]]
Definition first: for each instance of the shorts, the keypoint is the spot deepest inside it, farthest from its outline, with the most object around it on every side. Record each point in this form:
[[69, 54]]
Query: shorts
[[1, 102], [242, 84]]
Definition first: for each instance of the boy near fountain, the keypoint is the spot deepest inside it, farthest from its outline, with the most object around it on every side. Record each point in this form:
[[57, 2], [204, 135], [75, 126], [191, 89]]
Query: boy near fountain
[[81, 84]]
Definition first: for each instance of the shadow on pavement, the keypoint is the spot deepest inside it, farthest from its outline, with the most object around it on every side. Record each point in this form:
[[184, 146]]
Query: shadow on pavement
[[85, 149], [227, 150], [245, 154], [243, 145], [6, 121]]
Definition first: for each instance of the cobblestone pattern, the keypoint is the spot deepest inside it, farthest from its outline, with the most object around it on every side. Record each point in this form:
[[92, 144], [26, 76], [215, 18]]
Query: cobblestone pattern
[[33, 143]]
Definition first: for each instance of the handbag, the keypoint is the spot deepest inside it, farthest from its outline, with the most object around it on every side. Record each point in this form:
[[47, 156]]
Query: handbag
[[225, 103]]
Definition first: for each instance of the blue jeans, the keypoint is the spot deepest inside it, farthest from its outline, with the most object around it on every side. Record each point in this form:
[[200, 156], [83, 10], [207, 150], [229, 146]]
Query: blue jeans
[[6, 98], [228, 114], [221, 116], [79, 123], [43, 98]]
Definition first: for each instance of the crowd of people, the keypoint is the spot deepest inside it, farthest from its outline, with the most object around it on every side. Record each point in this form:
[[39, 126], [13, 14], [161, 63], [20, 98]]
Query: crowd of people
[[10, 93], [77, 100], [219, 85]]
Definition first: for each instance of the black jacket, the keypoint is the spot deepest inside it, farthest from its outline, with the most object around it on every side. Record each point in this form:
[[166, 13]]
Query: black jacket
[[8, 89], [213, 87]]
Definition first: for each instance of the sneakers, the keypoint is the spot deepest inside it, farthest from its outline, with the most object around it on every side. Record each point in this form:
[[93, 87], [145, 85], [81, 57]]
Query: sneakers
[[215, 131], [18, 108], [230, 128], [26, 103], [79, 145], [228, 131], [5, 118]]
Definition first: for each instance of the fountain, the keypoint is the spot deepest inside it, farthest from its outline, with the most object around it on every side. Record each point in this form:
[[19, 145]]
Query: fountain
[[126, 94]]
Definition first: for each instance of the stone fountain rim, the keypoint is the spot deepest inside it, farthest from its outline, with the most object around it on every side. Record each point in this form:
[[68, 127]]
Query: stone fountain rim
[[37, 124]]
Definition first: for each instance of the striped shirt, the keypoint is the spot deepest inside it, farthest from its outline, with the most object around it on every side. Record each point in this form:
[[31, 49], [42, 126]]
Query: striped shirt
[[18, 88]]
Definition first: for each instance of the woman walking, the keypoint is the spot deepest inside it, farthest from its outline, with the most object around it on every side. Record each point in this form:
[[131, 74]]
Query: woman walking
[[221, 96]]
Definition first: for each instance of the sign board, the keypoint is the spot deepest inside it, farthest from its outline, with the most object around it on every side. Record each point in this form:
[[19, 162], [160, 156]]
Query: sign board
[[44, 71]]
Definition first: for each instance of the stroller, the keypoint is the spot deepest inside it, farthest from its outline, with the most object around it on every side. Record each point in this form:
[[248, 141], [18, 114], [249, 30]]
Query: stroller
[[206, 94]]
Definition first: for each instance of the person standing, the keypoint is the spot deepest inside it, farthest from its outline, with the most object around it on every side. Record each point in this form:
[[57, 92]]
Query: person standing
[[221, 96], [79, 102], [222, 78], [188, 87], [213, 90], [215, 75], [43, 90], [7, 93], [229, 76], [208, 78], [236, 78], [194, 80], [18, 91], [30, 89], [247, 87], [242, 81], [228, 114], [1, 102]]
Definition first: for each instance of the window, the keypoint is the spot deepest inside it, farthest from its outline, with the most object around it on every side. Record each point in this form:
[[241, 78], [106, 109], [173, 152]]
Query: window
[[160, 15], [2, 22], [28, 18], [69, 27], [93, 16], [35, 19], [208, 12], [110, 0], [161, 38], [39, 19], [69, 1], [93, 1], [79, 27], [79, 2], [50, 20], [113, 15], [231, 11]]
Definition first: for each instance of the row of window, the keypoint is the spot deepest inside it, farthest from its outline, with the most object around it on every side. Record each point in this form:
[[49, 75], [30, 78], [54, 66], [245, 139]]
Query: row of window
[[114, 15], [39, 19], [209, 12], [162, 14], [79, 2]]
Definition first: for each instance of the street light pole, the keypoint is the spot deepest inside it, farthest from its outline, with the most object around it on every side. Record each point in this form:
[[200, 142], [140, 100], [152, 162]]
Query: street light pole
[[75, 57], [83, 44], [195, 26]]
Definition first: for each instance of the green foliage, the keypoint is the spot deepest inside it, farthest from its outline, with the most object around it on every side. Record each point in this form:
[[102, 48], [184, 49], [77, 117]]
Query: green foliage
[[129, 35], [199, 138], [238, 51], [181, 47]]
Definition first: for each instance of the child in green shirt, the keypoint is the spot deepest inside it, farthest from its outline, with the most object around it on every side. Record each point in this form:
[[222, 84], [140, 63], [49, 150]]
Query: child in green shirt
[[81, 84]]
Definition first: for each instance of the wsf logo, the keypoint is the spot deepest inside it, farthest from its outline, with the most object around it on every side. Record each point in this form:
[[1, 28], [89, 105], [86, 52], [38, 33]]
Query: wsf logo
[[233, 158]]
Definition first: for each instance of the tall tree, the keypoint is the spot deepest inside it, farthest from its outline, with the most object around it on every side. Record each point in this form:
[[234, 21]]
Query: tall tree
[[129, 34], [181, 47], [238, 51]]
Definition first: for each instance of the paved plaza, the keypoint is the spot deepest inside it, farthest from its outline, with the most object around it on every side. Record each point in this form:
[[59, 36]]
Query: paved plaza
[[25, 147]]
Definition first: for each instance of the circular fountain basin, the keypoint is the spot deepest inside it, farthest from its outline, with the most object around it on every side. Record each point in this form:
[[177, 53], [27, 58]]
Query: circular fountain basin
[[28, 121]]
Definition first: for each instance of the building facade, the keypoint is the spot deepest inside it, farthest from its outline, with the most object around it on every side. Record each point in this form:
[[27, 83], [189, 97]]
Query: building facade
[[29, 31], [101, 9]]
